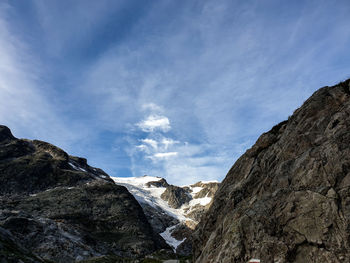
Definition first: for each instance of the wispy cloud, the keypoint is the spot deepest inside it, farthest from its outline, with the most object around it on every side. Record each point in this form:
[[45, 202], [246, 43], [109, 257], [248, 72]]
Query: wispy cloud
[[122, 82], [168, 142], [24, 105], [155, 122], [150, 142], [166, 155], [181, 162], [152, 107], [155, 145]]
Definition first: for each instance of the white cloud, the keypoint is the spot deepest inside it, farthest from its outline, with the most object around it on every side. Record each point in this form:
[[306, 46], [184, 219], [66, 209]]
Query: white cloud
[[179, 162], [157, 147], [155, 123], [151, 142], [152, 107], [167, 156], [164, 155], [167, 142], [186, 163], [142, 148]]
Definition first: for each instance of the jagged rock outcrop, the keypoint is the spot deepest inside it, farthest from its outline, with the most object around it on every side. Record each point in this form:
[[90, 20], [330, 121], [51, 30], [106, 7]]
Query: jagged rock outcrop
[[56, 207], [287, 199], [175, 196], [208, 189], [161, 183]]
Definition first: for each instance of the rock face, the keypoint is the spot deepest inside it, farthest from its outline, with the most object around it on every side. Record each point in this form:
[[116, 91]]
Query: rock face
[[11, 252], [56, 207], [208, 189], [175, 196], [161, 183], [287, 199]]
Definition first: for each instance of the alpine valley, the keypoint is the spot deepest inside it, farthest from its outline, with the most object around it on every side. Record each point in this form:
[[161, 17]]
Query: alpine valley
[[286, 199], [57, 208]]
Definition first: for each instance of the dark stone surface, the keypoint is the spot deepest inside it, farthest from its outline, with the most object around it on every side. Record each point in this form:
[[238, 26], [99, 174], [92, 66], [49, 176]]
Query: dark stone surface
[[5, 134], [175, 196], [161, 183], [287, 199], [12, 252], [59, 208], [158, 218]]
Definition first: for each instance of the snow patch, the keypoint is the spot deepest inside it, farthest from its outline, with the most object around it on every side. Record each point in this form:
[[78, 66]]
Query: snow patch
[[139, 181], [200, 201], [208, 182], [77, 168], [171, 241], [196, 189], [96, 176]]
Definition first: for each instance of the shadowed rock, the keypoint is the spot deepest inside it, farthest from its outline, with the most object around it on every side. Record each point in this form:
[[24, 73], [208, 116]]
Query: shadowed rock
[[5, 134], [59, 208]]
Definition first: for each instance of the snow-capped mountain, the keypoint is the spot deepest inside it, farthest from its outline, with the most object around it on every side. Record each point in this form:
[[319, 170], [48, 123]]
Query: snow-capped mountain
[[172, 211]]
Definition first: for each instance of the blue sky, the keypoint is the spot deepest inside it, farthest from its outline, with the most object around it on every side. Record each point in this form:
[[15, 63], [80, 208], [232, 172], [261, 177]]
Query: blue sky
[[178, 89]]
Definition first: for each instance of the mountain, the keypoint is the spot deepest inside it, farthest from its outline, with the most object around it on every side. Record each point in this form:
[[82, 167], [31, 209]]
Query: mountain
[[55, 207], [172, 211], [287, 199]]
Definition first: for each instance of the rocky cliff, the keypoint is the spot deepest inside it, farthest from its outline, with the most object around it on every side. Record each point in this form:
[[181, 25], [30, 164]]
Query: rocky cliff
[[56, 207], [287, 199]]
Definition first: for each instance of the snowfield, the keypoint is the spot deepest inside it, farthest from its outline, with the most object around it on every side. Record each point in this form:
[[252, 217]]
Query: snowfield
[[151, 195], [173, 242]]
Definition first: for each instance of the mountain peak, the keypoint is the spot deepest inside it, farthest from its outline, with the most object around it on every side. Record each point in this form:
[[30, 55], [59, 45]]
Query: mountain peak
[[51, 201], [5, 134]]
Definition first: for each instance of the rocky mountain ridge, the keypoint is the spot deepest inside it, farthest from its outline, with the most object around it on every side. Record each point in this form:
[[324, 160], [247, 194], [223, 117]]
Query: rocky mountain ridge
[[287, 199], [173, 211], [55, 207]]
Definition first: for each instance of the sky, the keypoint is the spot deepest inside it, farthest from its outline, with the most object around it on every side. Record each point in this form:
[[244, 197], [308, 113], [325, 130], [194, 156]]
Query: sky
[[176, 89]]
